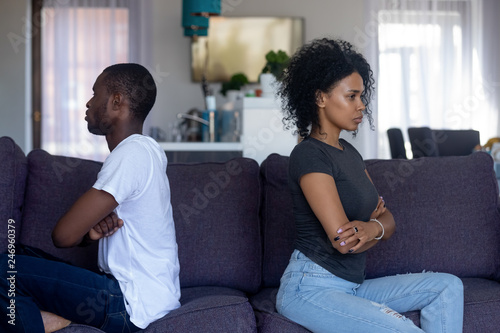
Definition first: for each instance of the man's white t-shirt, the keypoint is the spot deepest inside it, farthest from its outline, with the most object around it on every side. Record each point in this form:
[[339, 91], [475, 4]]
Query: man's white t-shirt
[[141, 255]]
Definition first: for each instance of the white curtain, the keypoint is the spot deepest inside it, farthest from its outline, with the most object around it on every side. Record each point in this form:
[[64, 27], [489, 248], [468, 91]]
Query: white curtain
[[429, 65], [79, 39]]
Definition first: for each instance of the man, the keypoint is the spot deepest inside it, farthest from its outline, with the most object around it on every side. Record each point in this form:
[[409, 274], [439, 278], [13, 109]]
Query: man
[[137, 251]]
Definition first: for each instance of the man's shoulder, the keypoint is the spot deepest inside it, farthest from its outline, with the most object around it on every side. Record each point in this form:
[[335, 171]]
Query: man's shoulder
[[138, 145], [137, 141]]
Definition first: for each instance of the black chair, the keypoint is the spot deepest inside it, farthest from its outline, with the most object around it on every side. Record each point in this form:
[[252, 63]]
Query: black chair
[[422, 142], [456, 142], [427, 142], [397, 143]]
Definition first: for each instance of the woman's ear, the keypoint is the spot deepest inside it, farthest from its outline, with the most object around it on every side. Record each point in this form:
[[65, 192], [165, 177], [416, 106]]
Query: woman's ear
[[320, 98]]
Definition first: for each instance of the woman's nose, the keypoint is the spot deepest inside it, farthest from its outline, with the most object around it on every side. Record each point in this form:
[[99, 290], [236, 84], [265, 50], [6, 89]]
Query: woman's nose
[[362, 106]]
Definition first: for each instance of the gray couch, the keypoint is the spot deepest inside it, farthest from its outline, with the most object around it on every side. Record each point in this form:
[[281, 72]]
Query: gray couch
[[235, 231]]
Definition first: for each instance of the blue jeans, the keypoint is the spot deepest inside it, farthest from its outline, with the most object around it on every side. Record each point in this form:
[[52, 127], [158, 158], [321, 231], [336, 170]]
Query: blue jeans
[[322, 302], [71, 292]]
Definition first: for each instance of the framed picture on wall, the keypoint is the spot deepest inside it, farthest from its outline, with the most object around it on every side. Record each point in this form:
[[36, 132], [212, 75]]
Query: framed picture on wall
[[239, 45]]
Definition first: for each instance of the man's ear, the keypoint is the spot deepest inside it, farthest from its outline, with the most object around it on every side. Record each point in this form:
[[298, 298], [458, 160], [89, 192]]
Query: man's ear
[[116, 100], [320, 98]]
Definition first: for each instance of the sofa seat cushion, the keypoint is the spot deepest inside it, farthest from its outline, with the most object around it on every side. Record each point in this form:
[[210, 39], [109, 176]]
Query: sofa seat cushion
[[268, 319], [208, 309], [481, 299], [14, 170], [203, 310], [54, 184], [482, 305], [446, 213], [216, 214]]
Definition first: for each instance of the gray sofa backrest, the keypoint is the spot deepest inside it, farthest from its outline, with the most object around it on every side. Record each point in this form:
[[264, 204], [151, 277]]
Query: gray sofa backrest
[[13, 171], [215, 207], [216, 214], [54, 183], [446, 212]]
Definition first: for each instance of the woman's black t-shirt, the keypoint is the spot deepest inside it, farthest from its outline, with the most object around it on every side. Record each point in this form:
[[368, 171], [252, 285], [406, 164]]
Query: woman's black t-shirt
[[358, 196]]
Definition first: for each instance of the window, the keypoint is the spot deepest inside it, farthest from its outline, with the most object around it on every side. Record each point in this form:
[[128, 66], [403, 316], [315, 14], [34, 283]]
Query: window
[[78, 42], [428, 73]]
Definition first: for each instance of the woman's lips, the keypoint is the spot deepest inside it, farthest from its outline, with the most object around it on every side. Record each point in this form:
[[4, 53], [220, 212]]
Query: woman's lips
[[358, 120]]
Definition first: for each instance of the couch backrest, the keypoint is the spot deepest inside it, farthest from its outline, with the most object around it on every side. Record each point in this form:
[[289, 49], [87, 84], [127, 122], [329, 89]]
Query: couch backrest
[[13, 173], [278, 226], [215, 207], [445, 210], [54, 184], [216, 213], [446, 213]]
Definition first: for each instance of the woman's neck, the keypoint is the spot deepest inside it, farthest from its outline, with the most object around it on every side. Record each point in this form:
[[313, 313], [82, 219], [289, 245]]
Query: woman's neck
[[330, 139]]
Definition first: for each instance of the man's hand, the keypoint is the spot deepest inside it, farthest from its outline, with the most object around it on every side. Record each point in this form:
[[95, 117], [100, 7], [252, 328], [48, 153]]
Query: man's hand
[[106, 227]]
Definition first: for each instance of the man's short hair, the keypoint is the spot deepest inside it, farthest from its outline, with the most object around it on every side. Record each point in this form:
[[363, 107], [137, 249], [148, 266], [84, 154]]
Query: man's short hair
[[136, 83]]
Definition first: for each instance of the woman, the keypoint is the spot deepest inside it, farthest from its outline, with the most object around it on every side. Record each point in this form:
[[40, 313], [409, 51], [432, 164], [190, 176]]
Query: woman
[[338, 213]]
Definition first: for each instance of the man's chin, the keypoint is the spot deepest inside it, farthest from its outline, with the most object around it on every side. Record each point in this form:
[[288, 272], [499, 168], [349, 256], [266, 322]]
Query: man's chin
[[95, 131]]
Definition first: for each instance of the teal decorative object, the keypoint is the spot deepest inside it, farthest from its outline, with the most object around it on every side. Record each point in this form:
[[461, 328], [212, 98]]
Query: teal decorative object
[[193, 25], [205, 7], [190, 32]]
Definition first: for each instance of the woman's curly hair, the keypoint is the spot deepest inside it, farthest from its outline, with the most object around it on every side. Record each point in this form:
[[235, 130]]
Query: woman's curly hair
[[319, 66]]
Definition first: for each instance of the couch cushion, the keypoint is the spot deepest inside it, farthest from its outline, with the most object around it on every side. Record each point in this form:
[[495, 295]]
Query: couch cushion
[[446, 216], [216, 214], [14, 170], [54, 184], [208, 309], [482, 305], [278, 225], [268, 319]]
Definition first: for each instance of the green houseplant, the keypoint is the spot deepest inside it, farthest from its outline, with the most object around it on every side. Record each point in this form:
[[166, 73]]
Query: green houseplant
[[237, 81], [272, 71], [276, 63]]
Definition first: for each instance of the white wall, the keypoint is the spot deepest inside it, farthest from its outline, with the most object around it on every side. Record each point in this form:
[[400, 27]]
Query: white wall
[[13, 71]]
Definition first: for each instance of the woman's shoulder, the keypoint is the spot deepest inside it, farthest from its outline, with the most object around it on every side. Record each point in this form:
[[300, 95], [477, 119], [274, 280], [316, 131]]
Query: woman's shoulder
[[350, 148], [305, 147], [347, 144]]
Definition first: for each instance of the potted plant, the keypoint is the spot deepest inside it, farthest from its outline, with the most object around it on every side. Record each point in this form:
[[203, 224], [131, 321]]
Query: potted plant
[[276, 63], [237, 81], [272, 71]]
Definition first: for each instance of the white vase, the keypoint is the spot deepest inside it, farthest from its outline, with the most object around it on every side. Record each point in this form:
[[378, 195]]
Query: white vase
[[268, 84], [233, 95]]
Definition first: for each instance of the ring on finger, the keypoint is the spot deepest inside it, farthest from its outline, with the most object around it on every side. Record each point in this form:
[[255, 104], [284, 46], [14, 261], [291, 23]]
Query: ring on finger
[[355, 230]]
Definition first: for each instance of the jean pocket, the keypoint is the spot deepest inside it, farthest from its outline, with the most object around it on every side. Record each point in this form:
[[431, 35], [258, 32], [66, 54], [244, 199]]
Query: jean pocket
[[119, 322]]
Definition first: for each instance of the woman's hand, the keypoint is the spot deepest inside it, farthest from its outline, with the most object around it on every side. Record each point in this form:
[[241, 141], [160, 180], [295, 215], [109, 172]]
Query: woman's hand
[[354, 234], [380, 209]]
